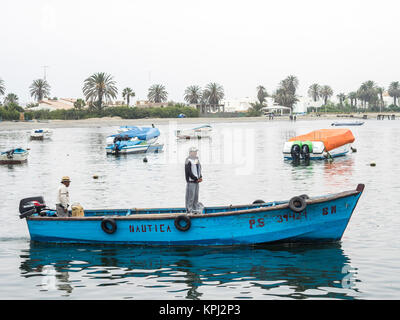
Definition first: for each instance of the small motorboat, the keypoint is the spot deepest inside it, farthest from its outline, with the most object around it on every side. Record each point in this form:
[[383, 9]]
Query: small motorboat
[[134, 140], [319, 144], [41, 134], [195, 133], [300, 219], [14, 156], [347, 123]]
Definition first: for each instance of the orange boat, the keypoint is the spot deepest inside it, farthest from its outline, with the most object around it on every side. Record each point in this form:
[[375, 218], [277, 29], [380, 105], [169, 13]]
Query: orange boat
[[319, 144]]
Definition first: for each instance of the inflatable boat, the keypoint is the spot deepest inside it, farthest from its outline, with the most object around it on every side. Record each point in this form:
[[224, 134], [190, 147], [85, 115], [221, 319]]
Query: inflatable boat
[[319, 145]]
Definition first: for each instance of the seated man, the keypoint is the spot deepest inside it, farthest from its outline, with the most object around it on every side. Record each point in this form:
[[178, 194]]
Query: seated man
[[63, 197]]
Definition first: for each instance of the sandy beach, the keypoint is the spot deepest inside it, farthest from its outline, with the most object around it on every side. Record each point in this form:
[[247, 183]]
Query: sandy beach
[[117, 121]]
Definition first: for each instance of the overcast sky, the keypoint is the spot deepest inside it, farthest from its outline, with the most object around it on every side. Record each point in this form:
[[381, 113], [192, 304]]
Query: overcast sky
[[177, 43]]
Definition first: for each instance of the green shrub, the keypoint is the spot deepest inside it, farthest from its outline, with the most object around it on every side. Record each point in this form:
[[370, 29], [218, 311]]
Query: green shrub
[[124, 112], [8, 114]]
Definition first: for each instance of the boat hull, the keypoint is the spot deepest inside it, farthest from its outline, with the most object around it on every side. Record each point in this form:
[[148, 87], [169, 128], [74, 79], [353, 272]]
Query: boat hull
[[196, 133], [136, 149], [346, 124], [337, 152], [41, 134], [324, 219], [16, 158]]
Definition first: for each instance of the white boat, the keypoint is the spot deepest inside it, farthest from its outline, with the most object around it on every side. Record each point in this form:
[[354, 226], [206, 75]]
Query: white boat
[[14, 156], [347, 123], [319, 144], [195, 133], [41, 134]]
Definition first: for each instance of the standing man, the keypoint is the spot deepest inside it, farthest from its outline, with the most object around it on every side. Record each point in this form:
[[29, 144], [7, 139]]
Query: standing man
[[193, 178], [63, 197]]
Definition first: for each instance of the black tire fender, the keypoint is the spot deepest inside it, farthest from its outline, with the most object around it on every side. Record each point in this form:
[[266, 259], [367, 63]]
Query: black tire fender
[[108, 225], [297, 204], [178, 224]]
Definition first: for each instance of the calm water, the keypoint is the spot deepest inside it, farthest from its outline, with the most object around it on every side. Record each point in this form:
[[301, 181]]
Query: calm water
[[242, 162]]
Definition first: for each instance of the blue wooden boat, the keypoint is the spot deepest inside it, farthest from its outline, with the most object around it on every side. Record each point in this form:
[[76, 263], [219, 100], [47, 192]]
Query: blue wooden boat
[[301, 219]]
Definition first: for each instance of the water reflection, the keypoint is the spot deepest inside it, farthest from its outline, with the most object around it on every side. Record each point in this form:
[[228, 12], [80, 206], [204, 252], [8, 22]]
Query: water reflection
[[335, 173], [194, 273], [340, 166]]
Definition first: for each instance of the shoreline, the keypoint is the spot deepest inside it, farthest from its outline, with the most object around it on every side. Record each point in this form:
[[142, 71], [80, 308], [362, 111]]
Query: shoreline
[[117, 121]]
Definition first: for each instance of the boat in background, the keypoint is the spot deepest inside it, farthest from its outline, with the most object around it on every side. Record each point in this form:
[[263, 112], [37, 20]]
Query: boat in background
[[348, 123], [300, 219], [14, 156], [41, 134], [132, 139], [319, 144], [195, 133]]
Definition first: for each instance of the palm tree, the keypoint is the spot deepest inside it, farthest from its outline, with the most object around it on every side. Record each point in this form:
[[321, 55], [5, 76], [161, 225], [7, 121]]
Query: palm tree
[[11, 98], [261, 94], [341, 97], [39, 89], [394, 91], [353, 98], [157, 93], [380, 91], [99, 87], [326, 92], [2, 87], [286, 93], [213, 93], [368, 93], [314, 91], [192, 94], [127, 93]]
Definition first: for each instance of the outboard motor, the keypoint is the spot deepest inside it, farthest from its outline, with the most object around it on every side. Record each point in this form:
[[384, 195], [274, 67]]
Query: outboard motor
[[295, 152], [10, 153], [117, 146], [305, 152], [29, 206]]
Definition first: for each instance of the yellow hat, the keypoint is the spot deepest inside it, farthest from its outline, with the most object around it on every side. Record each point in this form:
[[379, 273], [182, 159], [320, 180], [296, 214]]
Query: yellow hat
[[65, 179]]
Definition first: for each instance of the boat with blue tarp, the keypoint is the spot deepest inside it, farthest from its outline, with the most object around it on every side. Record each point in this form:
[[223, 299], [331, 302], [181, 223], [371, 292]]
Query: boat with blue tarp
[[300, 219], [14, 156], [41, 134], [132, 139]]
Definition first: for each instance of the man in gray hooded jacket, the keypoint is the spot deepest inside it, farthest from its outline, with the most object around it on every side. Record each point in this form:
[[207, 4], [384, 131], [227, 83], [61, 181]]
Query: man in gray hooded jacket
[[193, 178]]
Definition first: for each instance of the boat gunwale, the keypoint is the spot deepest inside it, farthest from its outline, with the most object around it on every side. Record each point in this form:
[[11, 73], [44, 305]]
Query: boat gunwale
[[162, 216]]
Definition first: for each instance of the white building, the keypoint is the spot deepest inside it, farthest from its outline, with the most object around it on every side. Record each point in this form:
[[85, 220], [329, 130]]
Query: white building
[[238, 104], [52, 104], [305, 102], [243, 104]]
